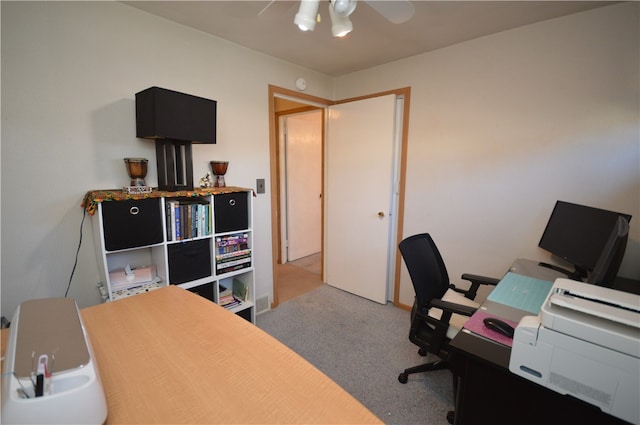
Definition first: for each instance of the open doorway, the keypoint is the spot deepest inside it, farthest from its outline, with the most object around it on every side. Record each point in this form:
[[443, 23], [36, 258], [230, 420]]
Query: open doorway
[[301, 103], [297, 145], [300, 154], [300, 150]]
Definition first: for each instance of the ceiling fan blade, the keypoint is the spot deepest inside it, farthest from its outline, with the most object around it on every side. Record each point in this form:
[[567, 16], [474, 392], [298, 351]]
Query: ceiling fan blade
[[397, 12], [266, 7]]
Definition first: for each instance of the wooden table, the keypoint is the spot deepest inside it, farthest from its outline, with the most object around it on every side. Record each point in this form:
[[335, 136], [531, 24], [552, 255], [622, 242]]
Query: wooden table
[[170, 356]]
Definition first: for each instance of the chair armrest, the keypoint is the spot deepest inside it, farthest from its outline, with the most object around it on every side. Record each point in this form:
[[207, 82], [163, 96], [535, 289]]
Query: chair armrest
[[476, 281], [482, 280], [446, 306], [439, 326]]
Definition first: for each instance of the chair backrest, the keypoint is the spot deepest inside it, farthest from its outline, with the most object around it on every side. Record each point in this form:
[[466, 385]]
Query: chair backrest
[[426, 268]]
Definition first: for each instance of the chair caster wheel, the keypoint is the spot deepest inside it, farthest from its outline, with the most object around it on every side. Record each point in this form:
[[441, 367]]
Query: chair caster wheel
[[451, 416], [403, 378], [422, 352]]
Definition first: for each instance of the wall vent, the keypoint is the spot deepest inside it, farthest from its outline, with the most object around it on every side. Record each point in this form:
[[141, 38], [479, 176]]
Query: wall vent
[[262, 305]]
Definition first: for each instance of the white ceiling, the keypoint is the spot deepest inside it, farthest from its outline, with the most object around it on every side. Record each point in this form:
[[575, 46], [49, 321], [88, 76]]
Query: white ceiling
[[374, 40]]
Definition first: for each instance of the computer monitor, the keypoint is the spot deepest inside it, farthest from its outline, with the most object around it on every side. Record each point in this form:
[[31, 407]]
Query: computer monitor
[[606, 269], [578, 234]]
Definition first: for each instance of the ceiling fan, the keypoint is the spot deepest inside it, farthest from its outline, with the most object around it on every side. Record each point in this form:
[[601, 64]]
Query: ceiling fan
[[396, 11]]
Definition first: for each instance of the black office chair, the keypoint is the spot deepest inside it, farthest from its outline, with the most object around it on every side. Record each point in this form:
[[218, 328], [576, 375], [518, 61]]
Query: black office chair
[[440, 309]]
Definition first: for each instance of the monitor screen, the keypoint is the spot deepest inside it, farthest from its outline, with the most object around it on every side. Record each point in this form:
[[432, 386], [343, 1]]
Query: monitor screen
[[578, 234]]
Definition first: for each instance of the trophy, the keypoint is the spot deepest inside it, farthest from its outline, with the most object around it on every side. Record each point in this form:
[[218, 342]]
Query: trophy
[[219, 169]]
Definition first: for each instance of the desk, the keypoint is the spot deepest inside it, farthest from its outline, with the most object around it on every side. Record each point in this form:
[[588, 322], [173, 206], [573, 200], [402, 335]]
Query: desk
[[488, 393], [170, 356]]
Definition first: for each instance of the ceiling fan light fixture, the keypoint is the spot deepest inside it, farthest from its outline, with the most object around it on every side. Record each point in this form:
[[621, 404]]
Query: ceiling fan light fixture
[[306, 17], [343, 8], [340, 25]]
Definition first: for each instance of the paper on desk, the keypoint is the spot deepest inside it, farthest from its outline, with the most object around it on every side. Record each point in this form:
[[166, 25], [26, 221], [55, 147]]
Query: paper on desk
[[521, 292]]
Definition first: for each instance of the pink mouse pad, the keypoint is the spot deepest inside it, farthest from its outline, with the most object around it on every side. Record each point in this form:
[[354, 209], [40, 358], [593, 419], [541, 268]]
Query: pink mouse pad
[[476, 325]]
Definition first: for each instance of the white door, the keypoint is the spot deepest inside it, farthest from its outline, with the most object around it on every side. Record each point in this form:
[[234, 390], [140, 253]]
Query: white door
[[303, 159], [360, 158]]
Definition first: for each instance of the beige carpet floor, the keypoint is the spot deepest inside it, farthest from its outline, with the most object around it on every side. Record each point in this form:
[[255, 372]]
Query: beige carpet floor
[[363, 346]]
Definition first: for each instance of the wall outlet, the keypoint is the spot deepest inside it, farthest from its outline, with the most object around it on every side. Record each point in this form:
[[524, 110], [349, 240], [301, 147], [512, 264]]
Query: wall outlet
[[260, 185]]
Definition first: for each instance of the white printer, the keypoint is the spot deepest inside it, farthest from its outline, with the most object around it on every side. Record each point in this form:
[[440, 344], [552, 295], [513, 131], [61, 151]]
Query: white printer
[[586, 343], [50, 375]]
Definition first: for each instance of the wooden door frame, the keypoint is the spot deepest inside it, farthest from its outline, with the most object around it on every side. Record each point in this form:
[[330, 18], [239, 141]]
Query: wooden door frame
[[274, 158]]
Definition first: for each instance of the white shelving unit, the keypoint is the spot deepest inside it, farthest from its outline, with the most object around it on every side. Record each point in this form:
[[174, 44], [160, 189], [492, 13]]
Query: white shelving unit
[[210, 254]]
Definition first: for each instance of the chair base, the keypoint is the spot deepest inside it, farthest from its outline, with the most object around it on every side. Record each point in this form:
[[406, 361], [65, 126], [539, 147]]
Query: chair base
[[427, 367]]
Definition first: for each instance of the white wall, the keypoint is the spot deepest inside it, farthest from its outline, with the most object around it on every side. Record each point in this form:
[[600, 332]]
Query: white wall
[[69, 75], [500, 128], [503, 126]]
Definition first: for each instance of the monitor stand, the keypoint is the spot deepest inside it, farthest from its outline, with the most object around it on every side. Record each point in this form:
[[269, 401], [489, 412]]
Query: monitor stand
[[579, 274]]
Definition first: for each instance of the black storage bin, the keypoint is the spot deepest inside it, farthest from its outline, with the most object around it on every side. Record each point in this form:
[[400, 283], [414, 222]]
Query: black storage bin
[[231, 212], [131, 223], [189, 260], [205, 291], [245, 314]]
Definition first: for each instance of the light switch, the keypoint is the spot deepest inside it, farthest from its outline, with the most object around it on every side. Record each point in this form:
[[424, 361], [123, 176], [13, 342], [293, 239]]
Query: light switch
[[260, 185]]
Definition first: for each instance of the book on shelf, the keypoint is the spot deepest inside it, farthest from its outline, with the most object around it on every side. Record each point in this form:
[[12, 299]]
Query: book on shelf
[[233, 255], [233, 239], [240, 290], [231, 243], [177, 228], [234, 268], [227, 299], [171, 221], [232, 304], [187, 219], [235, 264]]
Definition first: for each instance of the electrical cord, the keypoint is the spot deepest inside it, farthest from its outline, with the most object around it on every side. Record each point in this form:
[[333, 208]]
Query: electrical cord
[[75, 263]]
